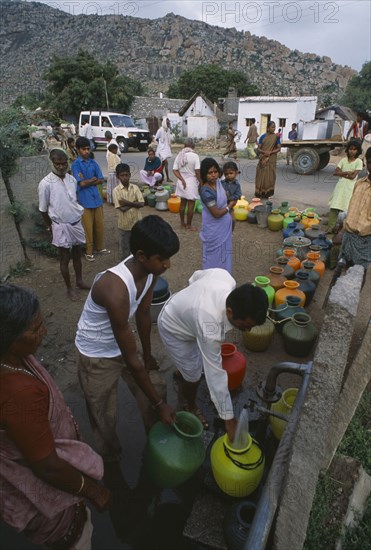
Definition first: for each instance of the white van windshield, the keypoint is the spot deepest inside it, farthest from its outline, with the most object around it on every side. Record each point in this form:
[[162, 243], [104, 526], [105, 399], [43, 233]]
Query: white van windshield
[[122, 121]]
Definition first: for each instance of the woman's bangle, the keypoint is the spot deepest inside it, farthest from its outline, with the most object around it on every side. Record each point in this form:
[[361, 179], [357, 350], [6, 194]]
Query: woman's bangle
[[227, 207], [81, 486], [154, 407]]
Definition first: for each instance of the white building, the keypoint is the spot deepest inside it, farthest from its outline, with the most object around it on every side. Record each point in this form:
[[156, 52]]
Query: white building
[[284, 111], [201, 117]]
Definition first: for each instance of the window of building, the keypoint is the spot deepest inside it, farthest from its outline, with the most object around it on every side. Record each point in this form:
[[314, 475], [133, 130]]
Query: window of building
[[282, 122], [249, 121]]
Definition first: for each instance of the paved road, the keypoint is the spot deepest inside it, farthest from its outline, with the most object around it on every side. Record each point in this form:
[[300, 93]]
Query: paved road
[[301, 191]]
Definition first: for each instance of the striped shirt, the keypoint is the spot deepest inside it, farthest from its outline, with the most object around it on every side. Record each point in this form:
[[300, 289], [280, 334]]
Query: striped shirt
[[127, 219], [358, 219]]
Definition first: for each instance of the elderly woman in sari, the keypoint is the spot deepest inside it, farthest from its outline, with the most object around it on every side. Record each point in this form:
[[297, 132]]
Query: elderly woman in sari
[[269, 145], [216, 231], [46, 470]]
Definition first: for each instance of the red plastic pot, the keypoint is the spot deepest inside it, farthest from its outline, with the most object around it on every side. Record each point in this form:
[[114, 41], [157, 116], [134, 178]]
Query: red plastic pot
[[234, 362]]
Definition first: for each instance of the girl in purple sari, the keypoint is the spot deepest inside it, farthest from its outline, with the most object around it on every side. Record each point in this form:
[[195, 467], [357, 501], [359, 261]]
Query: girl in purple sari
[[216, 231]]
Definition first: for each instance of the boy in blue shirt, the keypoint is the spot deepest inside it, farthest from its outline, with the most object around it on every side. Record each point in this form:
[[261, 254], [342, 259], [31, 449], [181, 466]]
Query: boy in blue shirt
[[88, 175]]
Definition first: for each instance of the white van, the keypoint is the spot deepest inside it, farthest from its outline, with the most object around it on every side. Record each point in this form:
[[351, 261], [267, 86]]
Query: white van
[[121, 126]]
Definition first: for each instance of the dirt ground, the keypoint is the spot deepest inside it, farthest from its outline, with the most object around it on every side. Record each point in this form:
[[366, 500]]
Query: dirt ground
[[254, 251]]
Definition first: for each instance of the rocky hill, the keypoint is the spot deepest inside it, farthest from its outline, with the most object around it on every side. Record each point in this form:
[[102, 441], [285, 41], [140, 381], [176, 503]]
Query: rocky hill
[[154, 51]]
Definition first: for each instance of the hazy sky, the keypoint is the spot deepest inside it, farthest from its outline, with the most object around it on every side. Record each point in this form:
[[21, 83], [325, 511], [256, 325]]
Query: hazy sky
[[340, 29]]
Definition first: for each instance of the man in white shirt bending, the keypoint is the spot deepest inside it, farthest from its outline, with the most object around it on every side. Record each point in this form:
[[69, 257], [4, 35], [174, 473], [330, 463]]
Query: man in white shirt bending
[[192, 325]]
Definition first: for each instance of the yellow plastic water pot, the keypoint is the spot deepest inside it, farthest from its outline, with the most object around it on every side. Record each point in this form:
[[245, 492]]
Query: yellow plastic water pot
[[237, 472], [283, 406]]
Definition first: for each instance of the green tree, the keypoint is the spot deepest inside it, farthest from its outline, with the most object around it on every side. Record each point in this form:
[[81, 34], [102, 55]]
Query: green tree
[[358, 91], [29, 100], [80, 82], [213, 80]]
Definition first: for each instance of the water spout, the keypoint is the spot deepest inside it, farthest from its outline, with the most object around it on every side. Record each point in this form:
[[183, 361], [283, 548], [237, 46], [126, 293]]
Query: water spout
[[267, 505], [241, 438]]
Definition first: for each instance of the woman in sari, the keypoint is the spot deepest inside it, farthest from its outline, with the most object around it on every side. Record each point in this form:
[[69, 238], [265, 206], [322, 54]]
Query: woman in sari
[[46, 470], [231, 150], [265, 179], [216, 231]]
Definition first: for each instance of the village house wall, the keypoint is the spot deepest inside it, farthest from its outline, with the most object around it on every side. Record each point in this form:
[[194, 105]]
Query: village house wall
[[203, 127], [293, 109]]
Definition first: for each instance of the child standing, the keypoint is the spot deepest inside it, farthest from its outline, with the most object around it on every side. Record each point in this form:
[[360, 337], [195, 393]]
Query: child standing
[[348, 170], [88, 175], [112, 161], [231, 184], [128, 199]]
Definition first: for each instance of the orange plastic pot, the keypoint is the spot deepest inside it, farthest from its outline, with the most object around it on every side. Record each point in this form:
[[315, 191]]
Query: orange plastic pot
[[309, 220], [254, 202], [319, 266], [291, 288], [294, 262], [174, 204], [234, 362]]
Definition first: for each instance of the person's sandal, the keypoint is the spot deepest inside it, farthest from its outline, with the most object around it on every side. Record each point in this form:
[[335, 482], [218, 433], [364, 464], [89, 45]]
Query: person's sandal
[[197, 412], [103, 252], [89, 257]]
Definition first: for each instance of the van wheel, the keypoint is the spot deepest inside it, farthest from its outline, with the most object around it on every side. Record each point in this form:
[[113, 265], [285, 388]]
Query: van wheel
[[123, 144], [143, 148]]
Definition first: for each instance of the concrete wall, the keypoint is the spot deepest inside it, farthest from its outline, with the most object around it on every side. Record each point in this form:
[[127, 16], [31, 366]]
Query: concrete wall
[[309, 443]]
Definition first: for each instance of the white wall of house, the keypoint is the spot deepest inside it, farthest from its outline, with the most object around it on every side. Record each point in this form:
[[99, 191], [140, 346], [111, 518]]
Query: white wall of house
[[198, 108], [292, 109], [202, 127]]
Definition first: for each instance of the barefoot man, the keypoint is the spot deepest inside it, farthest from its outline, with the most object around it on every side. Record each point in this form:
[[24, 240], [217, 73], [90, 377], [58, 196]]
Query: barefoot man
[[62, 215]]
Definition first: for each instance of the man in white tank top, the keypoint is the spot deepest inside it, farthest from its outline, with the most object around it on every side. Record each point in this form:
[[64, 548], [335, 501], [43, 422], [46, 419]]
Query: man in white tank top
[[106, 346]]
